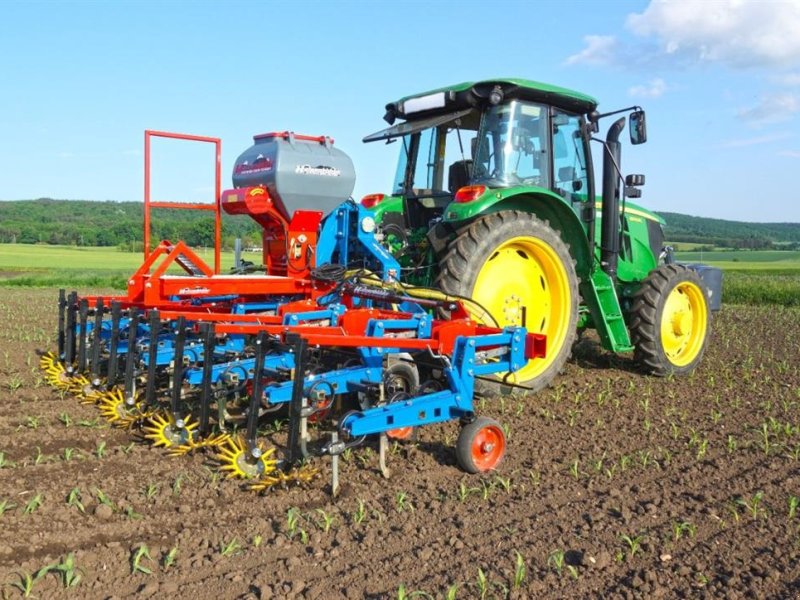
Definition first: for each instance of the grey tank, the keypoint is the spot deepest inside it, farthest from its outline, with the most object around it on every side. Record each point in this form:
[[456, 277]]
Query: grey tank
[[300, 172]]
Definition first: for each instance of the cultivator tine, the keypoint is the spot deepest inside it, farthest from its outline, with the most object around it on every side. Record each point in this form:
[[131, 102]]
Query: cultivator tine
[[94, 360], [300, 346], [130, 358], [177, 373], [69, 341], [62, 305], [83, 312], [152, 355], [207, 330], [113, 356], [255, 398]]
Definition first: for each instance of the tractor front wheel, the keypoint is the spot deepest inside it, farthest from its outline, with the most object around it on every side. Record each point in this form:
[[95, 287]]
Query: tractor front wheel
[[517, 268], [670, 321]]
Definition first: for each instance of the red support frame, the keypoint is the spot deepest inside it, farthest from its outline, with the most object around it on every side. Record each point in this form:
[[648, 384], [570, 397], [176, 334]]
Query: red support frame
[[149, 203]]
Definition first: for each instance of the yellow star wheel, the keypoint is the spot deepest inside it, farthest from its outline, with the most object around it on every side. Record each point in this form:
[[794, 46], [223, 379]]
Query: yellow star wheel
[[167, 431], [192, 444], [119, 413], [302, 474], [238, 462]]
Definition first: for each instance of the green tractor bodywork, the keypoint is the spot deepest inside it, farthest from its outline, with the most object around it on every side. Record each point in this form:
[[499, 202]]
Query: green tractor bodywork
[[515, 146]]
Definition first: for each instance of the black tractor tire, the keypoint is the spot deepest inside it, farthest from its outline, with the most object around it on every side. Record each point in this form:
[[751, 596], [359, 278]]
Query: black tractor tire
[[648, 314], [477, 244]]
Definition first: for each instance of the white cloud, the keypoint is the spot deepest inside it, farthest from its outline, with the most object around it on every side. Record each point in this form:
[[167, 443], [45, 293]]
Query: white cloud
[[771, 108], [788, 79], [739, 33], [654, 89], [790, 153], [754, 141], [599, 50]]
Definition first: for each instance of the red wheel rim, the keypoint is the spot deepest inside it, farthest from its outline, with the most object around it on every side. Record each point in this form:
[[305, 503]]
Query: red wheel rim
[[401, 433], [488, 447]]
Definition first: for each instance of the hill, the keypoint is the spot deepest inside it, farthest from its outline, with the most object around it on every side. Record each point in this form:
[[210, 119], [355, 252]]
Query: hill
[[730, 234], [90, 223]]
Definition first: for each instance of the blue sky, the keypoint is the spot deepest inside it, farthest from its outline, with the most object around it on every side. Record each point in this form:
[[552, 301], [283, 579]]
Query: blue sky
[[81, 81]]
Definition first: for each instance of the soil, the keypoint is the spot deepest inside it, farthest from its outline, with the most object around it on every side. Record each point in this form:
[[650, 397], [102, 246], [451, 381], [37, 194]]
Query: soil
[[615, 485]]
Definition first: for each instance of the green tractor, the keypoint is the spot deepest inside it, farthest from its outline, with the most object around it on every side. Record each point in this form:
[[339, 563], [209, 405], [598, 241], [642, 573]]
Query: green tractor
[[495, 199]]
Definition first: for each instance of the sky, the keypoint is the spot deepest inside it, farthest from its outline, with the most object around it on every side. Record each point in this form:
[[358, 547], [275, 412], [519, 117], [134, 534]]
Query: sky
[[81, 81]]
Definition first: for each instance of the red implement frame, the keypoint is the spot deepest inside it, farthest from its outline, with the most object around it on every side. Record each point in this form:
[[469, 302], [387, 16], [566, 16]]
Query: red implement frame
[[149, 203]]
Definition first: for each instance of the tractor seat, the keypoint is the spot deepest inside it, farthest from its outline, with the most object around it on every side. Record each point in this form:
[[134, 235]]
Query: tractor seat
[[459, 174]]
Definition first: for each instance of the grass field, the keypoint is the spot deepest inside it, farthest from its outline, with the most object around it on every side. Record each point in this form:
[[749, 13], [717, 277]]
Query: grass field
[[751, 277], [50, 266]]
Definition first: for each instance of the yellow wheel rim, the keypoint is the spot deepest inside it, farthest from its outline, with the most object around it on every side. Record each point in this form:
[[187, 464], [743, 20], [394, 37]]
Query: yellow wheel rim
[[524, 282], [683, 323]]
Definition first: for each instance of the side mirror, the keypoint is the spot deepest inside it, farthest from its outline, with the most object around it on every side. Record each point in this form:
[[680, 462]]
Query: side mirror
[[638, 127], [634, 180]]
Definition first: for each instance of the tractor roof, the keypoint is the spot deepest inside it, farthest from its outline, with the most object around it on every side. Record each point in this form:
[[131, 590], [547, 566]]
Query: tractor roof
[[472, 94]]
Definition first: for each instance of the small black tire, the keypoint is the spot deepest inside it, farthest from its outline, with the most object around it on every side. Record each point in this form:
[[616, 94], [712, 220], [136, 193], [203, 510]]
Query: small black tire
[[675, 346], [481, 445]]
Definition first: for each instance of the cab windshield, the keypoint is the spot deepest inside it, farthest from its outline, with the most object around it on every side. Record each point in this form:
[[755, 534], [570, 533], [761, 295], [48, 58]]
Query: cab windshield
[[512, 146]]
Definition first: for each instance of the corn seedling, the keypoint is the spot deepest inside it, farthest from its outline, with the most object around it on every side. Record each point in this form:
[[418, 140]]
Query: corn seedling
[[132, 514], [70, 574], [573, 469], [257, 540], [451, 592], [520, 570], [176, 485], [483, 584], [292, 518], [753, 506], [150, 490], [731, 444], [361, 512], [327, 520], [793, 502], [33, 504], [633, 543], [65, 419], [100, 450], [681, 528], [486, 489], [702, 448], [573, 571], [27, 581], [556, 560], [33, 422], [141, 553], [504, 482], [102, 498], [231, 548], [128, 448], [401, 502], [74, 499], [464, 491], [5, 505], [68, 454], [402, 594], [169, 557]]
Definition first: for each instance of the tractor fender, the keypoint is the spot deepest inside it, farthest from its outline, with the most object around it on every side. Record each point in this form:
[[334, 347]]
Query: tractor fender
[[546, 205]]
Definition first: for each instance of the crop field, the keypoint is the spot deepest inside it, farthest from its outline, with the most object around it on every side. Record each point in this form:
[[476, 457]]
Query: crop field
[[615, 485]]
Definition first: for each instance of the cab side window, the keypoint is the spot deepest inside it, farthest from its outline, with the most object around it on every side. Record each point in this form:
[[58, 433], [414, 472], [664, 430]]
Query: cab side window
[[569, 158]]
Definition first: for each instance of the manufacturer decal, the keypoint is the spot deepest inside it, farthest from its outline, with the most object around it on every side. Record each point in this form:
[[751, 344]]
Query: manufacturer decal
[[318, 170]]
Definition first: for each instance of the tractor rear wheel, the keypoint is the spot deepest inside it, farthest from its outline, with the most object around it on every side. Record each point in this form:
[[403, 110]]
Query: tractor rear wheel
[[518, 268], [670, 321]]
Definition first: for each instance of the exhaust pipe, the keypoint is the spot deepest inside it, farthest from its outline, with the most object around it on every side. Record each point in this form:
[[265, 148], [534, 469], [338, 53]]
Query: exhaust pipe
[[609, 234]]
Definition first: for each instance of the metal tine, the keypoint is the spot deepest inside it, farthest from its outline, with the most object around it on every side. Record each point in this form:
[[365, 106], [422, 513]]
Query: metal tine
[[83, 312], [258, 389], [152, 356], [69, 342], [177, 373], [94, 355], [113, 343], [62, 305], [205, 393], [300, 346], [130, 358]]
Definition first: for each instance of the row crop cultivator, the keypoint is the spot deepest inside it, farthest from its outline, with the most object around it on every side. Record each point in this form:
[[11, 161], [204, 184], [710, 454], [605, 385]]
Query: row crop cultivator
[[326, 338]]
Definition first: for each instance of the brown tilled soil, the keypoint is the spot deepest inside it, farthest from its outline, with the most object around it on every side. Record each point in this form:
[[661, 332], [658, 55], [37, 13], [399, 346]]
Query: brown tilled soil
[[616, 485]]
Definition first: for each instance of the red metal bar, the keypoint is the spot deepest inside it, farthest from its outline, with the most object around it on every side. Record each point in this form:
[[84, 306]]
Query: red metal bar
[[216, 207]]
